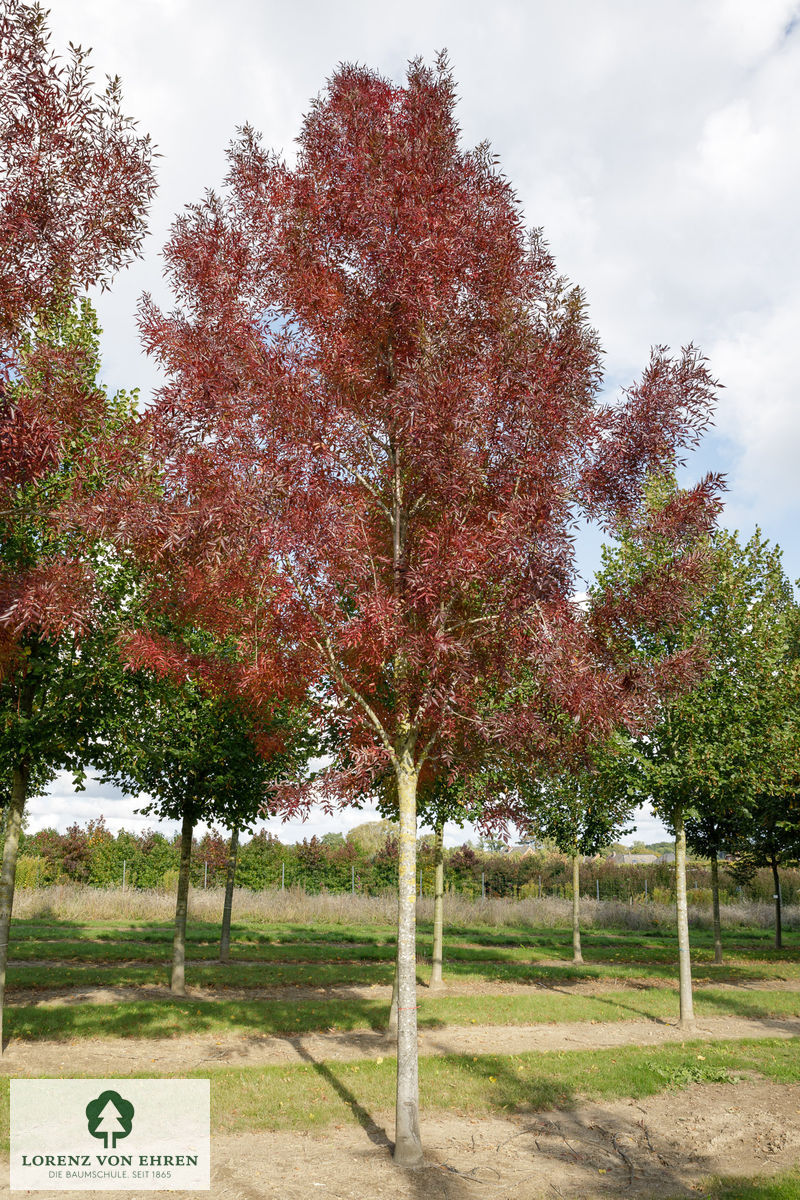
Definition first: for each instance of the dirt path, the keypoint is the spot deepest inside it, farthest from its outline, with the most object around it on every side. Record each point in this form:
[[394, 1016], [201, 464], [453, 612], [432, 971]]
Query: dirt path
[[123, 1056], [380, 993], [645, 1150]]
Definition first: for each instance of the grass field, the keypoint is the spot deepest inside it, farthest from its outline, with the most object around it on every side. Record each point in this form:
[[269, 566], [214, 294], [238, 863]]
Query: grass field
[[301, 976], [57, 955], [310, 1096]]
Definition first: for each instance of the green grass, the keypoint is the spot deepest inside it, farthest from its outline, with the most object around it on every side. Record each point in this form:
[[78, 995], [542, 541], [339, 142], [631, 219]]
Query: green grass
[[101, 954], [313, 1095], [316, 1094], [498, 961], [234, 976], [171, 1016], [335, 972], [785, 1186], [308, 1095], [554, 941]]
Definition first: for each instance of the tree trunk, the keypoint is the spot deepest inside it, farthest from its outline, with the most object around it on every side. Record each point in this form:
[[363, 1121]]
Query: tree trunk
[[438, 907], [178, 984], [391, 1028], [225, 933], [715, 907], [408, 1144], [778, 914], [16, 807], [577, 956], [682, 913]]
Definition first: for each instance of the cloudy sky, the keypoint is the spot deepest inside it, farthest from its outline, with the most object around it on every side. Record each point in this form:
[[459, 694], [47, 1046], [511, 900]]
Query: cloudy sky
[[656, 144]]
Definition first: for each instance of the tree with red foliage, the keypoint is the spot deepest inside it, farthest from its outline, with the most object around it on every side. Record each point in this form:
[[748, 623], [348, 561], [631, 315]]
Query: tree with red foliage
[[381, 422], [75, 184], [76, 177]]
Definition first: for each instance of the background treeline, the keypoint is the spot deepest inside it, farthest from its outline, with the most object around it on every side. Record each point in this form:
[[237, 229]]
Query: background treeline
[[91, 854]]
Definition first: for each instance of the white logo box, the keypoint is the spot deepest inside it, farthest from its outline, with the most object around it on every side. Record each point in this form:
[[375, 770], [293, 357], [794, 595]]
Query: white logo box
[[110, 1135]]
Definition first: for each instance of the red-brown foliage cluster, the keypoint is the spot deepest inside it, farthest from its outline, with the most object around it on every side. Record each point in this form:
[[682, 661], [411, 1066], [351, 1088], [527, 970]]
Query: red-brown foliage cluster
[[382, 421], [75, 186]]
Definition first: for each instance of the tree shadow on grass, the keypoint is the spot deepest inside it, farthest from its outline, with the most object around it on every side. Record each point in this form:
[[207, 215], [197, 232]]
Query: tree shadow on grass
[[154, 1018], [548, 1138], [374, 1131], [616, 1003], [431, 1181], [554, 1138], [751, 1006]]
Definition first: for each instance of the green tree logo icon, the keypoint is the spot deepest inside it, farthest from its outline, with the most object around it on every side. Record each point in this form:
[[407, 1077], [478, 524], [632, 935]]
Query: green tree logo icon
[[109, 1117]]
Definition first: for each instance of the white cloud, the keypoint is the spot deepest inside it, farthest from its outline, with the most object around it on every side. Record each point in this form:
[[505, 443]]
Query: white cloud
[[62, 806], [758, 355], [750, 29]]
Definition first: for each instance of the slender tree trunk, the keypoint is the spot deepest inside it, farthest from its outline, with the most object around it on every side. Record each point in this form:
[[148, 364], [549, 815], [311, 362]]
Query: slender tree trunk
[[577, 956], [408, 1143], [178, 984], [391, 1028], [438, 906], [715, 907], [16, 807], [778, 914], [682, 912], [225, 934]]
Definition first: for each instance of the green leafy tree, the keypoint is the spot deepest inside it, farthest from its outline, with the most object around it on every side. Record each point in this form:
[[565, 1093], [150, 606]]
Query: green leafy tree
[[731, 735], [719, 761], [371, 835], [770, 834], [655, 764], [581, 810], [75, 185], [59, 590], [196, 754], [769, 838]]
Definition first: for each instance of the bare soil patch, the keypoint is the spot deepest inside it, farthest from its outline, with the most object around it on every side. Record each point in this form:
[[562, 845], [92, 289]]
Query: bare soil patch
[[656, 1148], [300, 991], [23, 996], [123, 1056]]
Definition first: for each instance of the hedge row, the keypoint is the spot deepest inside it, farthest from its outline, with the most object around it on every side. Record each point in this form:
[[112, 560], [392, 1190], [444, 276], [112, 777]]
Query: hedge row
[[92, 854]]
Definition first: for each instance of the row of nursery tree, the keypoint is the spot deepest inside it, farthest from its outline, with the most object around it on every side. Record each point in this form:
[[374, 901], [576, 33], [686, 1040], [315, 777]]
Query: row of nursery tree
[[333, 557], [92, 855]]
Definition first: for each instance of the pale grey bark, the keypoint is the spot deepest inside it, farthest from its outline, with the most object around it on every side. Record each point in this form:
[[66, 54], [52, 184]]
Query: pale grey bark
[[715, 908], [391, 1027], [577, 956], [408, 1143], [15, 810], [438, 906], [682, 914], [227, 908], [178, 983]]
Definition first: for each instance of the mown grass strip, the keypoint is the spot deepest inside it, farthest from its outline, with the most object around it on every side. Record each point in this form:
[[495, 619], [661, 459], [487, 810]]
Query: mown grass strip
[[168, 1017], [324, 974], [487, 962], [98, 952], [785, 1186], [316, 1094], [546, 938], [343, 967]]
